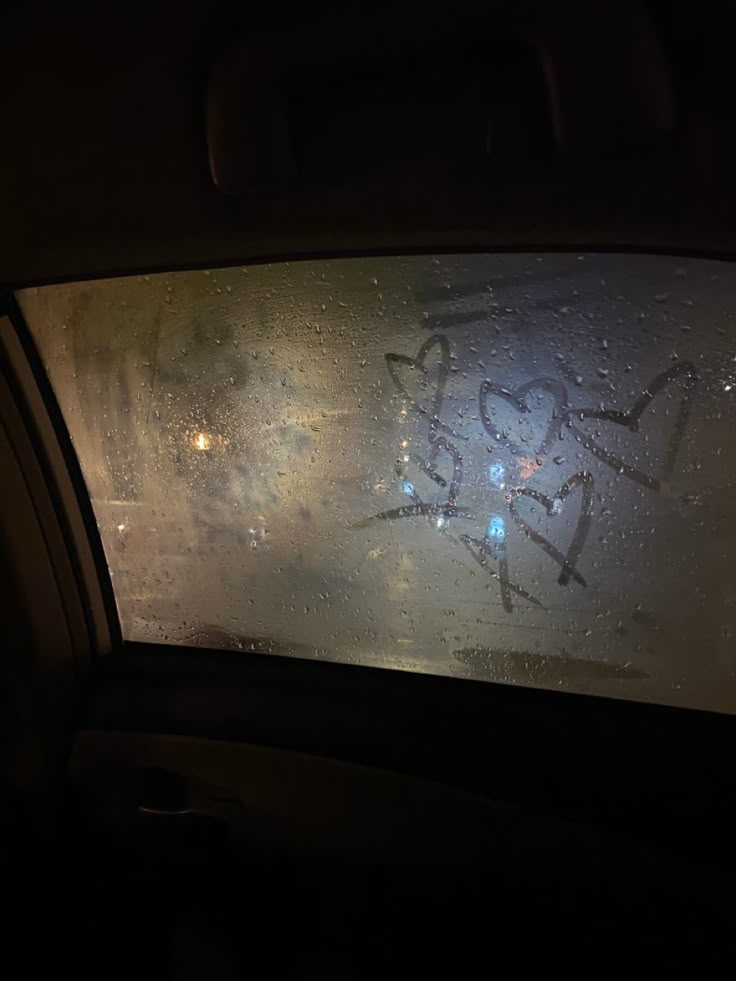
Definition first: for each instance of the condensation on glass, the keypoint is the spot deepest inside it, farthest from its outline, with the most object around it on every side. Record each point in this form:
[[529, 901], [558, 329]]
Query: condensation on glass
[[513, 468]]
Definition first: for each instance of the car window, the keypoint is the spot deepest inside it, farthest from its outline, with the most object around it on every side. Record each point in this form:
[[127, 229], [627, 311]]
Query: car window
[[515, 468]]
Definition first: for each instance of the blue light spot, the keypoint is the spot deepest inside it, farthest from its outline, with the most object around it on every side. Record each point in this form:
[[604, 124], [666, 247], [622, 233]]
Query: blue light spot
[[496, 529], [495, 474], [408, 488]]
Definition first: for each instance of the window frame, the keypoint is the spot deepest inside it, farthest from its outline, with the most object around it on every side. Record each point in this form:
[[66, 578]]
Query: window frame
[[58, 487], [73, 502]]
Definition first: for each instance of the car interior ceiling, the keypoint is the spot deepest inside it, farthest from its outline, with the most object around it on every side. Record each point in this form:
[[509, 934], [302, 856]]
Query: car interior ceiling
[[171, 810]]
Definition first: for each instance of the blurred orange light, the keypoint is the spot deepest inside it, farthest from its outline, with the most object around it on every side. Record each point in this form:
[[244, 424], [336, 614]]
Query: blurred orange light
[[201, 441]]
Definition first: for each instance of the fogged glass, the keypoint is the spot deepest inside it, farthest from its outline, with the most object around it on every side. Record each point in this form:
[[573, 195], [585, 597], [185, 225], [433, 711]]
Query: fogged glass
[[514, 468]]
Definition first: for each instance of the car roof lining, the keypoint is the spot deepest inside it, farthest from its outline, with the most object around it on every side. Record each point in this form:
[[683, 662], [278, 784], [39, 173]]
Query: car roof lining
[[106, 167]]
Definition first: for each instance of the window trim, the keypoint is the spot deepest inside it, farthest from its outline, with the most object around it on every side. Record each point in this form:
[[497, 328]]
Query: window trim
[[57, 489]]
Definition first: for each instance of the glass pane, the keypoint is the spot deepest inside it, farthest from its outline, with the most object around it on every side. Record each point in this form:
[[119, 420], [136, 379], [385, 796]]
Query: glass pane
[[514, 468]]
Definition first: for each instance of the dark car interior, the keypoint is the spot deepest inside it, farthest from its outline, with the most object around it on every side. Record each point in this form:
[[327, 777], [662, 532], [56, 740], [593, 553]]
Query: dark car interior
[[227, 809]]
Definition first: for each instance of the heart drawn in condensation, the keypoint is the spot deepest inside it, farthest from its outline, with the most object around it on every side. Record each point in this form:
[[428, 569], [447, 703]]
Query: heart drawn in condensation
[[438, 512], [567, 561], [428, 466], [630, 420], [517, 399], [428, 400]]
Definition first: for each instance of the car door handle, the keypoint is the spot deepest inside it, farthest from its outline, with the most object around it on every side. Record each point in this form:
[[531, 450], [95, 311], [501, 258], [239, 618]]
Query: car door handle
[[223, 809]]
